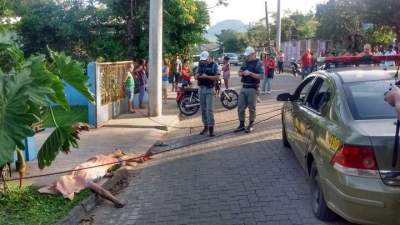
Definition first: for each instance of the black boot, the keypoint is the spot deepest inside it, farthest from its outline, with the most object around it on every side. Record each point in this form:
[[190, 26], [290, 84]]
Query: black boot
[[204, 131], [250, 128], [240, 128], [211, 132]]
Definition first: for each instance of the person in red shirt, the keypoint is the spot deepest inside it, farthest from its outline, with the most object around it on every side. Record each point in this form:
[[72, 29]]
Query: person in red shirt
[[306, 62], [186, 74], [269, 72]]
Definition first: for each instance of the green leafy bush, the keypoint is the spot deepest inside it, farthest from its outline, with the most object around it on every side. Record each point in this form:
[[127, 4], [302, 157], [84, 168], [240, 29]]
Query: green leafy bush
[[28, 86]]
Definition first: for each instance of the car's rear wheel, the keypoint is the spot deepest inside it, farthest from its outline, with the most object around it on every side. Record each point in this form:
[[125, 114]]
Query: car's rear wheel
[[318, 203], [285, 141]]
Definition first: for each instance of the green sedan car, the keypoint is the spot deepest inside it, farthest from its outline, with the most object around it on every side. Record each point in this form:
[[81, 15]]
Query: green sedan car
[[343, 132]]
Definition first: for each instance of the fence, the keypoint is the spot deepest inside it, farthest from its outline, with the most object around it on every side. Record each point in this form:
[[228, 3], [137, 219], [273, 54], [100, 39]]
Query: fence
[[106, 81], [112, 77], [295, 49]]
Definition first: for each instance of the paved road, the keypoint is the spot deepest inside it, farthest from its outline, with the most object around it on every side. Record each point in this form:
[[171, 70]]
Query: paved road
[[234, 179]]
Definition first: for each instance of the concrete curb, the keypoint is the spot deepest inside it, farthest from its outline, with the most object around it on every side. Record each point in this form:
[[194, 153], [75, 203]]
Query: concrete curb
[[160, 127], [81, 211], [145, 123]]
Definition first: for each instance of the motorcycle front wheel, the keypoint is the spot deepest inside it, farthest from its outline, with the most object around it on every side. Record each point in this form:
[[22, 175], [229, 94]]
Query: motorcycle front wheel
[[229, 99], [189, 105]]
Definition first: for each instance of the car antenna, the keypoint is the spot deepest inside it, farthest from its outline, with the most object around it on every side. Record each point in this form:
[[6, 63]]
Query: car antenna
[[396, 141], [397, 73]]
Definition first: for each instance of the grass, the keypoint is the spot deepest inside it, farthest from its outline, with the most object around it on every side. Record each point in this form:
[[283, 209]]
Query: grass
[[76, 114], [27, 206]]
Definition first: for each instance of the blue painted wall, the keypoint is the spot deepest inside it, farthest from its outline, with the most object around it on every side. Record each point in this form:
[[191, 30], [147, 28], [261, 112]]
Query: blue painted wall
[[92, 111], [74, 97]]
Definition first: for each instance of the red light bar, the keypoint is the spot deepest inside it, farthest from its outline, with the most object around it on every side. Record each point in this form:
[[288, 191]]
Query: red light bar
[[359, 59]]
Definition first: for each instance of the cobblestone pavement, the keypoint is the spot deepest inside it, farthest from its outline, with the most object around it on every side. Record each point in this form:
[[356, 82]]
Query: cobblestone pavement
[[234, 179]]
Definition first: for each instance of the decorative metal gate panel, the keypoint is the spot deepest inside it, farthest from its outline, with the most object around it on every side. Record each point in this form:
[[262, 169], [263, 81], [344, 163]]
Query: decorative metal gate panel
[[112, 77]]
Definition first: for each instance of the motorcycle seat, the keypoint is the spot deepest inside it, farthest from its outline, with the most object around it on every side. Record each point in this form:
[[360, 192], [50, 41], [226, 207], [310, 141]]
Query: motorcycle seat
[[191, 89]]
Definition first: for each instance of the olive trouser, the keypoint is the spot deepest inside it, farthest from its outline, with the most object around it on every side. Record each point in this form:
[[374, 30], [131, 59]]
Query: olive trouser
[[247, 99], [207, 105]]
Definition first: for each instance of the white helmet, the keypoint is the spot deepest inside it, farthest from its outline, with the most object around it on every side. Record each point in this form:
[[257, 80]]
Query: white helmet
[[204, 56], [249, 51]]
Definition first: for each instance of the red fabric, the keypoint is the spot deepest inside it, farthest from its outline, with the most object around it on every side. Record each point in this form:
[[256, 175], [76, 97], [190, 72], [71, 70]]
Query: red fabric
[[349, 59], [269, 64], [186, 73], [306, 59]]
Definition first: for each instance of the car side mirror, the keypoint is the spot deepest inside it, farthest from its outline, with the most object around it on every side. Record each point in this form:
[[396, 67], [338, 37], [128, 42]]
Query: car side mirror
[[285, 97]]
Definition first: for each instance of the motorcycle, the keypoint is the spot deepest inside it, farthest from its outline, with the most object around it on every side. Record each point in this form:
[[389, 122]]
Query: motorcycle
[[188, 100], [296, 68]]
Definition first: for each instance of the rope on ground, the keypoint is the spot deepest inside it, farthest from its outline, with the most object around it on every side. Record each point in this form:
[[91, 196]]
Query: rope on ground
[[139, 159], [195, 127], [216, 136]]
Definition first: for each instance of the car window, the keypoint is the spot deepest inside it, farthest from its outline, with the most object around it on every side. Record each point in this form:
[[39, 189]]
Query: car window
[[366, 100], [321, 96], [303, 90]]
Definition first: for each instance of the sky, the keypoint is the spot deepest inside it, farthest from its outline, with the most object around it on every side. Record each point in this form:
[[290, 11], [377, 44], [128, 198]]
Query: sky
[[254, 10]]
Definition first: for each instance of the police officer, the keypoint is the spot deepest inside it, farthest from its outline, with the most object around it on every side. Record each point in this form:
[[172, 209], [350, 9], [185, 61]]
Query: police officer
[[207, 75], [251, 74]]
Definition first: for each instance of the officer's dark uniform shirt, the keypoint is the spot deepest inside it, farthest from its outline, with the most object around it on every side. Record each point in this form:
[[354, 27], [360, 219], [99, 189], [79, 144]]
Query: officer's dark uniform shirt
[[210, 69], [254, 66]]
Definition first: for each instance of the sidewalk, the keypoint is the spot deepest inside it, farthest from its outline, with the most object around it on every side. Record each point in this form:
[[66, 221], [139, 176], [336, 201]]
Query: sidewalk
[[132, 133]]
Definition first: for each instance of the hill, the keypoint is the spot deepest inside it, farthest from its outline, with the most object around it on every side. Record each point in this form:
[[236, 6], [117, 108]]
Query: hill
[[236, 25]]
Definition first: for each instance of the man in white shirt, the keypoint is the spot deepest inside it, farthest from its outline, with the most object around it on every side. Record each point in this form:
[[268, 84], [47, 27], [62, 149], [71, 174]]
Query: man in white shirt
[[390, 52]]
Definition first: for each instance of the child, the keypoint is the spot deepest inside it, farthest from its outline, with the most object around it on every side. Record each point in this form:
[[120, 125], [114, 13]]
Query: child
[[226, 69], [165, 79], [186, 74], [129, 85]]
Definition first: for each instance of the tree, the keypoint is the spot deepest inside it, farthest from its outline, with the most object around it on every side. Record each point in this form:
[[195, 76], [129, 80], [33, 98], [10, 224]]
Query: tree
[[28, 88], [383, 13], [256, 36], [338, 22], [129, 21], [111, 29], [231, 41], [379, 35], [71, 27], [298, 26], [185, 22]]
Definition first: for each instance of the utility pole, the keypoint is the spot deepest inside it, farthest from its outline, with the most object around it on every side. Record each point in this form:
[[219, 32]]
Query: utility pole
[[155, 57], [278, 27], [267, 23]]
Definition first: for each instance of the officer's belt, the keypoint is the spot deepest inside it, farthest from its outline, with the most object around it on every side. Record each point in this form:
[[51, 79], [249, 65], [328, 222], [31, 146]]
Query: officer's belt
[[246, 85]]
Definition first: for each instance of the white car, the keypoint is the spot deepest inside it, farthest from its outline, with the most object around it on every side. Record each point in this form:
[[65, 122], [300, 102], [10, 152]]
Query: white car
[[233, 58]]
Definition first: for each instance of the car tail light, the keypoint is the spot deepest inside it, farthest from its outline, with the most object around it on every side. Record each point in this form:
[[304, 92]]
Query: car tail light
[[356, 161]]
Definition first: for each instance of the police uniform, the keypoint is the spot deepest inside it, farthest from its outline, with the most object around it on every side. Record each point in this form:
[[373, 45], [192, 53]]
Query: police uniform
[[248, 93], [207, 95]]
